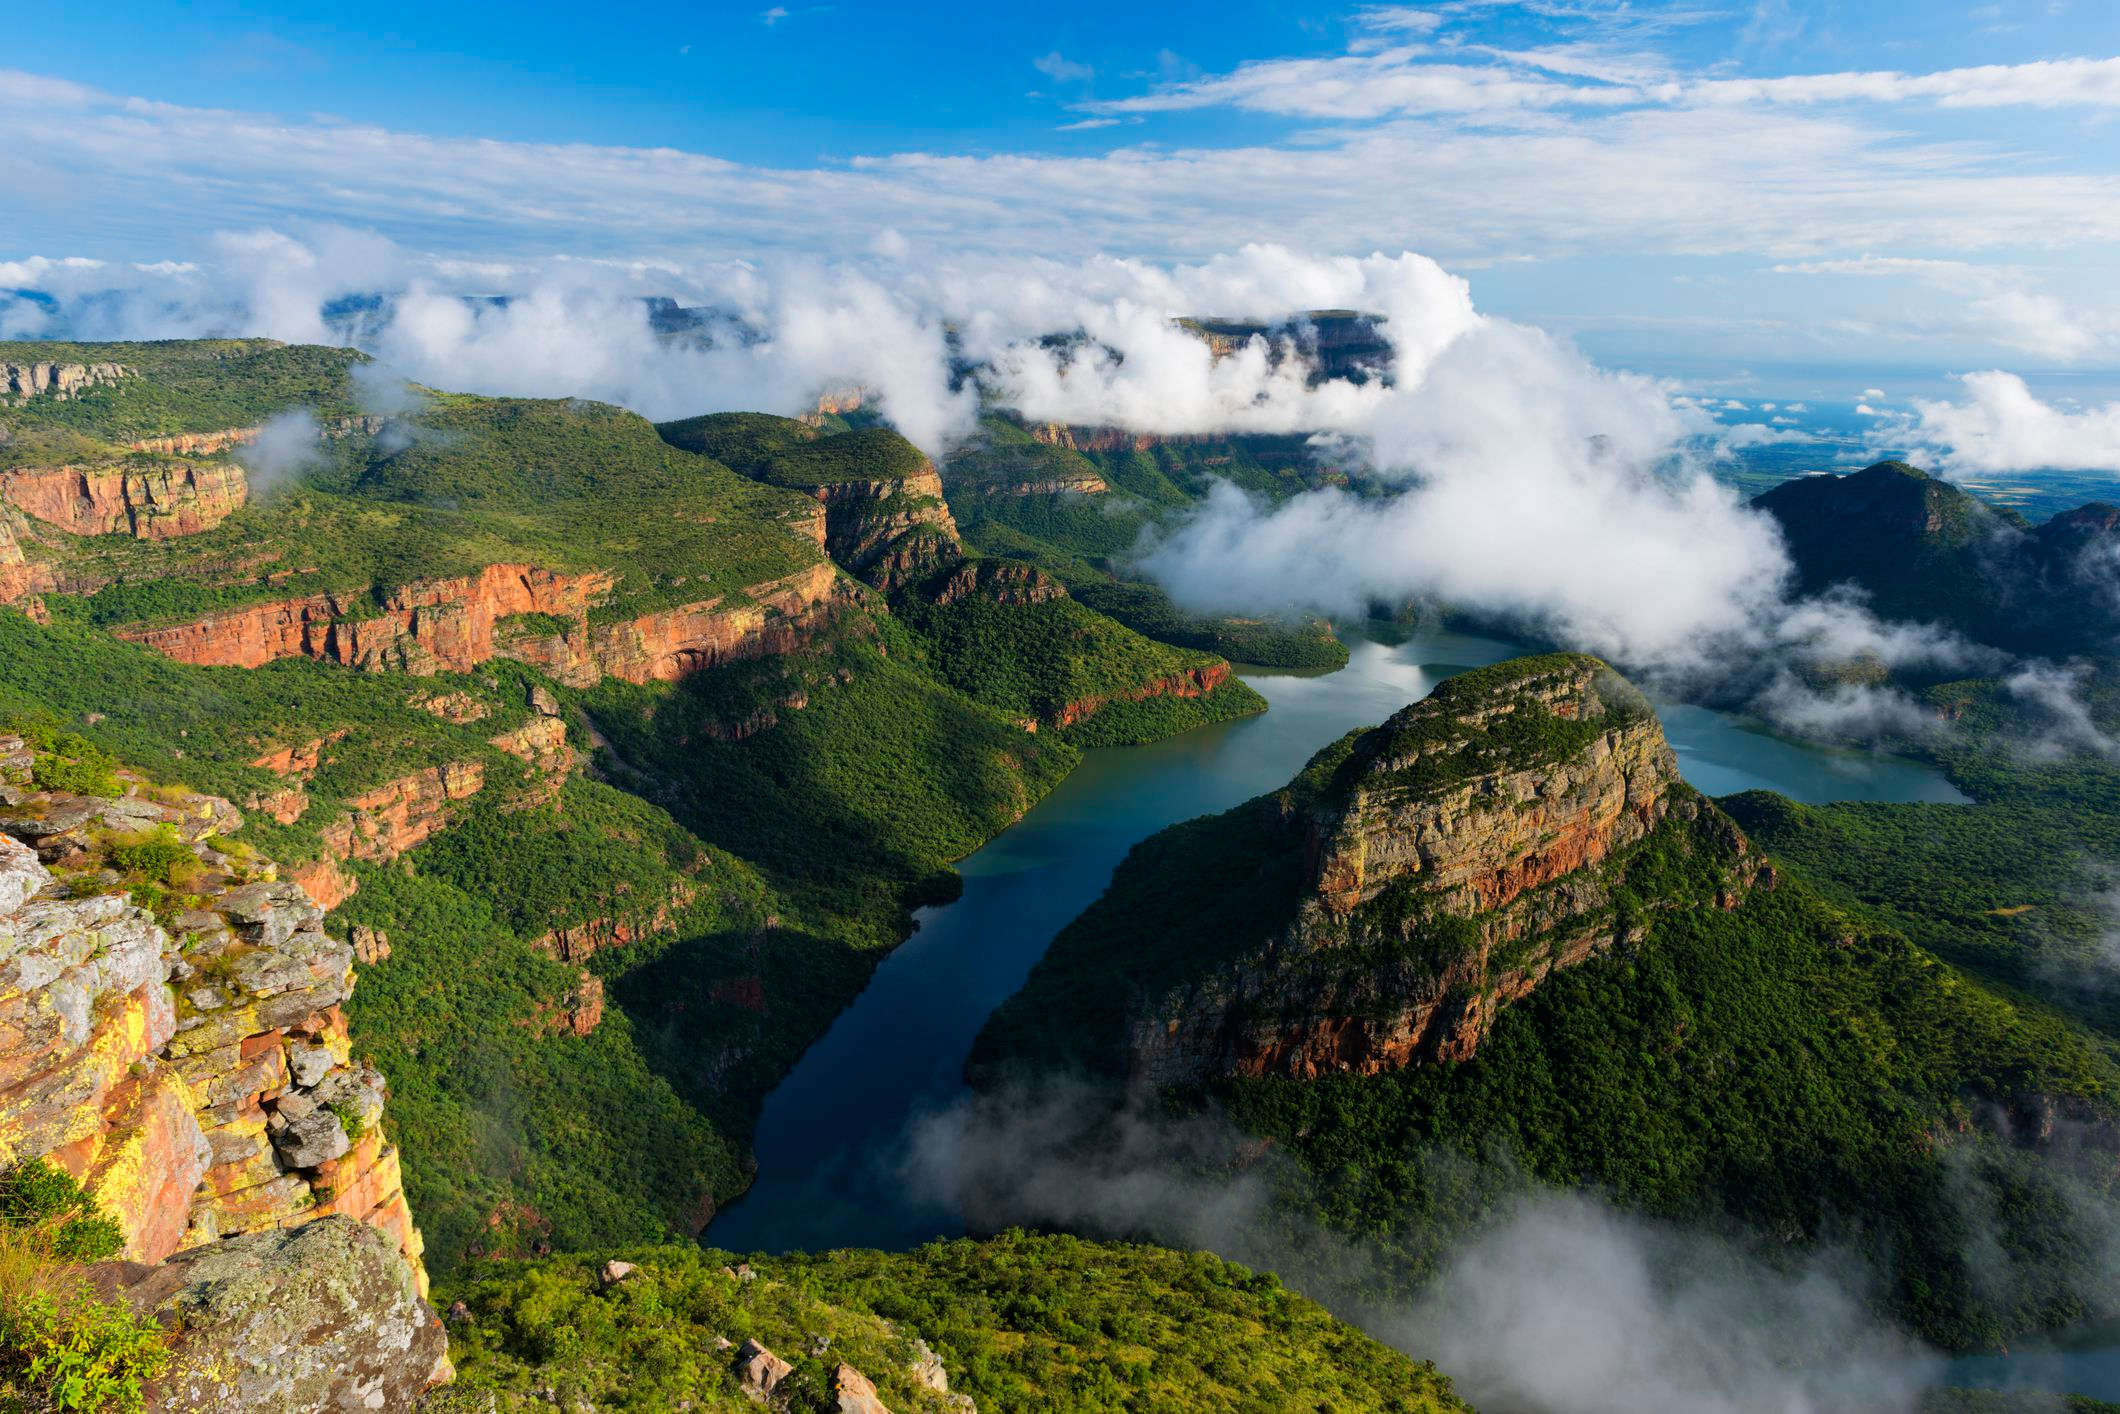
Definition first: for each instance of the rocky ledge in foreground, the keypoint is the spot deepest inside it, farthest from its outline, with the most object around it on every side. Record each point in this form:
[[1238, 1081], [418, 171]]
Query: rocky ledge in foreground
[[171, 1037], [1380, 911]]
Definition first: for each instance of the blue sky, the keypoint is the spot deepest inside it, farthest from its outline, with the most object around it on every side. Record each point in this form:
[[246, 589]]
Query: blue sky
[[1714, 189]]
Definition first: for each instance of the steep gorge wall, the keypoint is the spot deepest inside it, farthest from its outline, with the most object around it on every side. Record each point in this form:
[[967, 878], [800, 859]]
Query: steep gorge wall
[[149, 503], [453, 625], [1454, 859]]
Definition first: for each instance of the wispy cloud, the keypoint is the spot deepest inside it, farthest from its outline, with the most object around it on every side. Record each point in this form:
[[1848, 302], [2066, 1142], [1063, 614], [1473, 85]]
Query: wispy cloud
[[1060, 69]]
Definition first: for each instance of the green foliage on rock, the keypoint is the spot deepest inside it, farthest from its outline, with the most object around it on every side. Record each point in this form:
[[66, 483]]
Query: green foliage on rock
[[1053, 662], [62, 1347], [1015, 1322]]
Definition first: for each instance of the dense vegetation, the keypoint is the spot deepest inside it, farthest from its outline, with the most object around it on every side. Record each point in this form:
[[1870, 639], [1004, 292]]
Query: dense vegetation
[[1926, 551], [1054, 661], [64, 1348], [1018, 1322], [1805, 1074], [1016, 495], [175, 386]]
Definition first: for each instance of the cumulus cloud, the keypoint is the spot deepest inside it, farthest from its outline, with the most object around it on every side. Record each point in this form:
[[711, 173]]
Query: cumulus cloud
[[1504, 471], [2001, 425]]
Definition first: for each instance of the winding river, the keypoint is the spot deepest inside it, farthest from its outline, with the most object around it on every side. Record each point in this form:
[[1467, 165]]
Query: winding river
[[831, 1137]]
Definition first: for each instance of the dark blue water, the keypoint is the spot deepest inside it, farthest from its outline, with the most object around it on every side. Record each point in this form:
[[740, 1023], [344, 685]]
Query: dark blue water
[[830, 1140]]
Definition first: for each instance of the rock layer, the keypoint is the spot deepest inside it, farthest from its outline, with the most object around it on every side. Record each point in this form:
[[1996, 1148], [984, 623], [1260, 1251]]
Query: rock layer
[[1453, 858], [154, 502], [192, 1070], [453, 625]]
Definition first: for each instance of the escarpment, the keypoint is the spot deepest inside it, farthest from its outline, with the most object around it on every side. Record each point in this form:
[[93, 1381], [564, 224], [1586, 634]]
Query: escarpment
[[152, 502], [1381, 911], [19, 382], [172, 1033], [453, 625]]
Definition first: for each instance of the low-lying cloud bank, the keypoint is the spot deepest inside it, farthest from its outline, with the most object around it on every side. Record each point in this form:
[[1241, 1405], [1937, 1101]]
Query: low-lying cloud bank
[[1530, 1298], [1509, 473]]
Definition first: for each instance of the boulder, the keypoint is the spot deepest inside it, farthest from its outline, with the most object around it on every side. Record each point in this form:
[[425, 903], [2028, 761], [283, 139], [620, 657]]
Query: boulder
[[316, 1138], [759, 1370], [853, 1394], [321, 1318]]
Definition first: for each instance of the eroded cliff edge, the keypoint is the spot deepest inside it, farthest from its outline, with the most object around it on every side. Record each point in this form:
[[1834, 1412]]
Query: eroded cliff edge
[[1379, 912]]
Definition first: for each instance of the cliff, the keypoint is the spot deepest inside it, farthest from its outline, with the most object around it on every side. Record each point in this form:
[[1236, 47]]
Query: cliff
[[453, 625], [171, 1031], [151, 503], [19, 382], [890, 531], [1415, 880]]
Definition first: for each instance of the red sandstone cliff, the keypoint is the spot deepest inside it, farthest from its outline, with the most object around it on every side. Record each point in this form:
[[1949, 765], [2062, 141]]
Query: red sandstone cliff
[[151, 502]]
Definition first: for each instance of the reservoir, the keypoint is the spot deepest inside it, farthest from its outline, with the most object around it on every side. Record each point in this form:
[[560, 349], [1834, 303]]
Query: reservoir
[[830, 1140]]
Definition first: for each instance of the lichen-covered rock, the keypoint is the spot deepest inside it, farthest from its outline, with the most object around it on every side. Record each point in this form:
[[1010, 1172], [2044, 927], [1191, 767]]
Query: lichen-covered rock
[[759, 1371], [193, 1072], [324, 1317]]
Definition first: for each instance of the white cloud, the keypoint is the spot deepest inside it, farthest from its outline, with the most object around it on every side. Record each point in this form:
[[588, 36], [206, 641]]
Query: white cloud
[[2002, 304], [1062, 70], [772, 17], [2000, 425], [1371, 83]]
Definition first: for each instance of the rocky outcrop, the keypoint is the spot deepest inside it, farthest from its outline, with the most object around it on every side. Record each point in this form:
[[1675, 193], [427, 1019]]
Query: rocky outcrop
[[152, 502], [324, 1318], [1094, 439], [385, 821], [1452, 859], [191, 1067], [444, 625], [577, 1011], [1002, 581], [19, 382], [203, 444], [581, 941], [20, 578], [1193, 682], [778, 616], [453, 625], [890, 531]]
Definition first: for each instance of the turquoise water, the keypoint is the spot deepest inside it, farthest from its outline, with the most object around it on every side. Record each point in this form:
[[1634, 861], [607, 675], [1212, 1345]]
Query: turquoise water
[[828, 1141]]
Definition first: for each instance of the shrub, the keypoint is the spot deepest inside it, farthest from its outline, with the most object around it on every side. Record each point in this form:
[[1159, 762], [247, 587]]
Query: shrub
[[36, 1197]]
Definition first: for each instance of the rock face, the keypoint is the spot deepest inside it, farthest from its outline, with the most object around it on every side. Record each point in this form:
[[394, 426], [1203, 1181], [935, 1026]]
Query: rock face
[[1193, 682], [1452, 859], [444, 625], [19, 382], [325, 1318], [150, 503], [453, 625], [891, 531], [192, 1070], [775, 617]]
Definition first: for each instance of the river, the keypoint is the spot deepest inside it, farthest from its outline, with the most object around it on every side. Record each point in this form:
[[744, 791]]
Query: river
[[829, 1140]]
